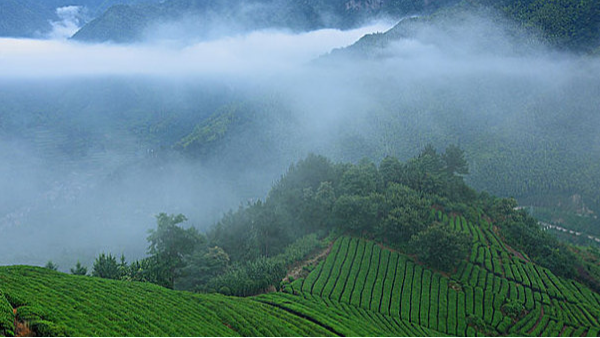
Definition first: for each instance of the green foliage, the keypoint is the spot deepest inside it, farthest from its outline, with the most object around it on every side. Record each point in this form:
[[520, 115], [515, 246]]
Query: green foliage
[[362, 179], [251, 278], [513, 309], [357, 213], [398, 203], [46, 328], [565, 23], [440, 247], [409, 213], [391, 170], [200, 267], [169, 243], [479, 325], [69, 305], [203, 139], [523, 232], [454, 161], [50, 265], [79, 269], [7, 317], [256, 276], [105, 266]]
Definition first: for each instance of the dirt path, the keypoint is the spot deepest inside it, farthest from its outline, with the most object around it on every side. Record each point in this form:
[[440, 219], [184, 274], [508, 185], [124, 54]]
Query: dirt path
[[297, 271], [21, 328]]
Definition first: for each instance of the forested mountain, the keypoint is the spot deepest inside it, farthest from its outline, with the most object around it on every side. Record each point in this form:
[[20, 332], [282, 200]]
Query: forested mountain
[[176, 19], [565, 24], [543, 165]]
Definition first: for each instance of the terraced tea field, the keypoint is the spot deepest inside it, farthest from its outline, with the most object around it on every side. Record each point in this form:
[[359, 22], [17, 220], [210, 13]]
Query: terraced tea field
[[55, 303], [359, 289], [363, 275]]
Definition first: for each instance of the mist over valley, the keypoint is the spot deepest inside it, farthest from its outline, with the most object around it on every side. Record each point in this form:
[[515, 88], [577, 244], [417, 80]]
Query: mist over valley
[[289, 148], [98, 138]]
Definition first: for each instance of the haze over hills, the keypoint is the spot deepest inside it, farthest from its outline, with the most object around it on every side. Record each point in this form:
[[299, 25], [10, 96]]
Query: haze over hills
[[467, 76], [176, 19], [392, 264], [566, 24], [169, 150]]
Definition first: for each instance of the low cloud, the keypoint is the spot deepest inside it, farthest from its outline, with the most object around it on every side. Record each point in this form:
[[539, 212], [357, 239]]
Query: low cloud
[[260, 52], [71, 18]]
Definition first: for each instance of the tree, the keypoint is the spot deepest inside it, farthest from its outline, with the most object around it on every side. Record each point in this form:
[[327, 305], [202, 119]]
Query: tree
[[142, 270], [391, 170], [407, 213], [122, 267], [201, 267], [424, 173], [440, 247], [169, 243], [361, 179], [430, 160], [50, 265], [79, 269], [454, 161], [357, 213], [105, 266]]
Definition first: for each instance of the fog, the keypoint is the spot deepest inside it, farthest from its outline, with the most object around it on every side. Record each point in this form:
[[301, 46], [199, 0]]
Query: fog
[[249, 54], [89, 132]]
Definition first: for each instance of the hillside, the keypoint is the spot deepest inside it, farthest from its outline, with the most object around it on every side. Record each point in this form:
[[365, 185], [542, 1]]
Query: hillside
[[411, 251], [565, 25], [54, 303], [183, 19], [476, 299], [361, 289]]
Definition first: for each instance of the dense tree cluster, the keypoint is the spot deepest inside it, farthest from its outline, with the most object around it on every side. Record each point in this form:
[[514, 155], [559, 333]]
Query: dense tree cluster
[[251, 249]]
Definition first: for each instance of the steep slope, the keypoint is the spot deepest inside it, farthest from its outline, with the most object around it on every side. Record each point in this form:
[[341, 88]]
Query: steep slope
[[565, 24], [497, 291]]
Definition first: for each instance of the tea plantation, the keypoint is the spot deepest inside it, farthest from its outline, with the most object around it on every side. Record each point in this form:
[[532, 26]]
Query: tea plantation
[[360, 289]]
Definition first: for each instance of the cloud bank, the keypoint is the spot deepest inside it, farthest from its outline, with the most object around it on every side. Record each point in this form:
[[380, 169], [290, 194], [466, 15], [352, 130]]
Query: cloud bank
[[260, 52]]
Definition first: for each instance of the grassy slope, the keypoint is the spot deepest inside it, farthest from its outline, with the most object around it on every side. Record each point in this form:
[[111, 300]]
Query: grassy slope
[[87, 306]]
